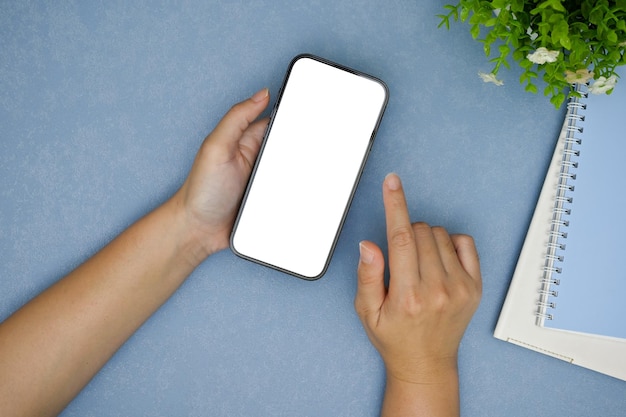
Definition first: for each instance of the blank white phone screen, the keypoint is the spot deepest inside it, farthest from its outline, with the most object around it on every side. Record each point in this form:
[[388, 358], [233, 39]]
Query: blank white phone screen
[[308, 168]]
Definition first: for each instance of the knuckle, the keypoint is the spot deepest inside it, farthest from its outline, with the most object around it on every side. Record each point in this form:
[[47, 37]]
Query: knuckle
[[421, 229], [440, 299], [237, 107], [365, 278], [463, 294], [443, 239], [466, 295], [439, 231], [441, 235], [464, 241], [402, 237], [412, 304], [238, 115], [467, 239], [360, 308]]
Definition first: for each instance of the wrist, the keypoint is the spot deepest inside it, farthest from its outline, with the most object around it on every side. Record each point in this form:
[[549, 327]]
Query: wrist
[[432, 389], [190, 239], [430, 370]]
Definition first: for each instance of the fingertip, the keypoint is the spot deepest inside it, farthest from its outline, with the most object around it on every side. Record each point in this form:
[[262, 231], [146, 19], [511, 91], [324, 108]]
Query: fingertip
[[464, 243], [393, 194], [367, 255], [370, 279], [371, 261], [393, 182], [240, 117], [467, 254], [260, 95]]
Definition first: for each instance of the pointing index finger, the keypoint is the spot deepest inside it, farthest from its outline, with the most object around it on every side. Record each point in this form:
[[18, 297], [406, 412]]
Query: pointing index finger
[[403, 263]]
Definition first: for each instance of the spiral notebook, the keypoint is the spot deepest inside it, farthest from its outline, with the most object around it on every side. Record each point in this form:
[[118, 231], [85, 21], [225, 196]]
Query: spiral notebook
[[566, 298], [584, 279]]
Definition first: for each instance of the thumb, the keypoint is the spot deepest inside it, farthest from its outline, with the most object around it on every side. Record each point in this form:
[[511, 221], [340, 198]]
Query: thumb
[[233, 125], [371, 291]]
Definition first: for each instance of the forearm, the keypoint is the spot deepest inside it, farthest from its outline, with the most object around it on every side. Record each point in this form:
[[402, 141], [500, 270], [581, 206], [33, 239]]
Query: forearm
[[435, 395], [53, 346]]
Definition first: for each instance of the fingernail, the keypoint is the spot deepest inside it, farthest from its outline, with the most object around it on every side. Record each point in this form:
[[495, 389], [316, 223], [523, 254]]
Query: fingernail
[[367, 256], [260, 95], [393, 181]]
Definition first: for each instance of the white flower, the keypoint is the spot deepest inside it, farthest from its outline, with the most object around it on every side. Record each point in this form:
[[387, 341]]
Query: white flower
[[603, 84], [490, 78], [542, 55], [580, 76], [533, 35]]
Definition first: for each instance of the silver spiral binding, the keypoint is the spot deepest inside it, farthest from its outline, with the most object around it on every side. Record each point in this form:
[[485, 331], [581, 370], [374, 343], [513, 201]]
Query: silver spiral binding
[[556, 246], [559, 223], [564, 177]]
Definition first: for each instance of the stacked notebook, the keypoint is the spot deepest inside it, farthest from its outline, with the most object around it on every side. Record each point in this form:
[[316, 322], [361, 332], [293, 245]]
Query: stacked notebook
[[566, 298]]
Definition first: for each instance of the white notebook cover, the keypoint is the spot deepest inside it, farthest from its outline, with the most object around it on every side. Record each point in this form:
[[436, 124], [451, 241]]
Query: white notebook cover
[[517, 321]]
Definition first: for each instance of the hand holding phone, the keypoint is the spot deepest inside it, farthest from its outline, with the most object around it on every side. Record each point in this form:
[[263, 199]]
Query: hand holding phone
[[305, 176]]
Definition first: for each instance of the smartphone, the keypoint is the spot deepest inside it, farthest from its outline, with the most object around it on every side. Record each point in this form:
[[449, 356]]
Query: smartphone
[[320, 133]]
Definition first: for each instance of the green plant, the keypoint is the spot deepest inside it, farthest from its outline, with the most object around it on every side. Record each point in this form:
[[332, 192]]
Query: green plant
[[567, 42]]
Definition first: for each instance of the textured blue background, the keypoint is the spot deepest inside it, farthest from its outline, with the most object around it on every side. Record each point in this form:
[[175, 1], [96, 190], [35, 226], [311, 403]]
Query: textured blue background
[[102, 108]]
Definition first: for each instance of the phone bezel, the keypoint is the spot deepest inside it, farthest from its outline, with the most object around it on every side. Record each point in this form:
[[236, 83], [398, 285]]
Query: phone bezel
[[356, 179]]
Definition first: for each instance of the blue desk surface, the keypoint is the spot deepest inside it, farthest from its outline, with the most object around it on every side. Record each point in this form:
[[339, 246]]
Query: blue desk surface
[[102, 108]]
